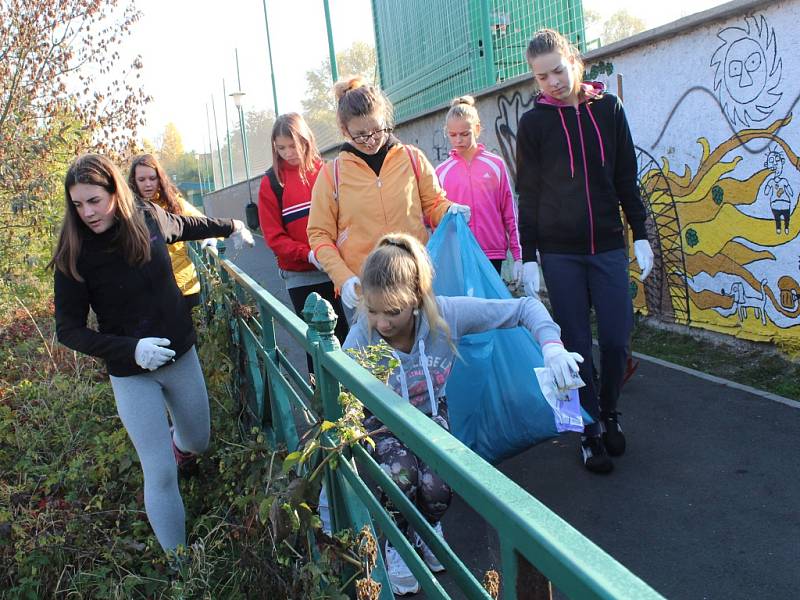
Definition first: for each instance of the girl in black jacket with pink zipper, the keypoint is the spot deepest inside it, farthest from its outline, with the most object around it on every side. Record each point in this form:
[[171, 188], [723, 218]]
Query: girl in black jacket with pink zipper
[[576, 166], [112, 257]]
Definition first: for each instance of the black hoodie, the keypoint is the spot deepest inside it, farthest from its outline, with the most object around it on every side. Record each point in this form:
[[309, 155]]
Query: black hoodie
[[130, 302], [575, 168]]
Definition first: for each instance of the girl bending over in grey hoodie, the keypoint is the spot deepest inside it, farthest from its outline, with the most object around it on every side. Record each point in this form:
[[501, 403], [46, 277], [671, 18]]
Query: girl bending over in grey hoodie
[[399, 307]]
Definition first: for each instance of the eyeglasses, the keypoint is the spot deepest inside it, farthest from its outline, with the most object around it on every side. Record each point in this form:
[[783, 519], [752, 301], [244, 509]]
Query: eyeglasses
[[366, 138]]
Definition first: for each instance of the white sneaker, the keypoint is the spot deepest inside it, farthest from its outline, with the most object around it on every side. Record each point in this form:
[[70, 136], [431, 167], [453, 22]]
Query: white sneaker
[[400, 576], [427, 554]]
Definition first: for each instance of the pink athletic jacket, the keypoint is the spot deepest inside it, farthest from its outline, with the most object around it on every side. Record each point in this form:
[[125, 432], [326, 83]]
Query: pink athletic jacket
[[484, 185]]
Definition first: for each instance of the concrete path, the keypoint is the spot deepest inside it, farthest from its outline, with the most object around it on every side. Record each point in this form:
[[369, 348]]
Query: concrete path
[[703, 506]]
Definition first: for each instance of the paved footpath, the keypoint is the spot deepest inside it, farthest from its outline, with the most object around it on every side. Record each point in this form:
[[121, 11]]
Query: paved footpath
[[705, 505]]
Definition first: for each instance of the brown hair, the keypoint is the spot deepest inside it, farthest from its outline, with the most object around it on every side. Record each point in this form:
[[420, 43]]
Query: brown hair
[[133, 237], [546, 41], [167, 192], [400, 272], [463, 107], [356, 98], [293, 126]]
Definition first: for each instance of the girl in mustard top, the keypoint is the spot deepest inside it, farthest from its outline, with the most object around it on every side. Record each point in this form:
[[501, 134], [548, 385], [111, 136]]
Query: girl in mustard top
[[149, 182]]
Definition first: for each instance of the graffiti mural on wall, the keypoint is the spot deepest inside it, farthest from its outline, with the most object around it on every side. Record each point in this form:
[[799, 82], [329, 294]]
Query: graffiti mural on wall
[[509, 112], [737, 242], [727, 242], [747, 71]]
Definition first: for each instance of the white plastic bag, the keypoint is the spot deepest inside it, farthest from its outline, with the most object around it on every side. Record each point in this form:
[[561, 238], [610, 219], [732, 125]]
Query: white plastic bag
[[566, 404]]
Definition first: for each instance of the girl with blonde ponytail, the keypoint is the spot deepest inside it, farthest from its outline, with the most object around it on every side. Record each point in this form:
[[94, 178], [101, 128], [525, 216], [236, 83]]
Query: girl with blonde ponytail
[[400, 308]]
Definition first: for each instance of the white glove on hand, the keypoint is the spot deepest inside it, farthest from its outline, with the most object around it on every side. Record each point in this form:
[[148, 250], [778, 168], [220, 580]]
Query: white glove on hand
[[516, 273], [644, 256], [208, 242], [241, 235], [530, 278], [151, 353], [348, 292], [562, 364], [313, 260], [460, 208]]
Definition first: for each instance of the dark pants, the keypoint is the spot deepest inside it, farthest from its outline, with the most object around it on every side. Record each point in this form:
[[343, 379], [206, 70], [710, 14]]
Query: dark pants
[[497, 263], [575, 283], [778, 214], [298, 296]]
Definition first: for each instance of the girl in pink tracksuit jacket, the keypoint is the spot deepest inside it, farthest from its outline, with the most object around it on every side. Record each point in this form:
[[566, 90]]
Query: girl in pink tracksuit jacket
[[479, 179]]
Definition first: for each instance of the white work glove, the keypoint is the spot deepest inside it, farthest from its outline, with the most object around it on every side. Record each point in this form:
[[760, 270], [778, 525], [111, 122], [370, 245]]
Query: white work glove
[[208, 242], [313, 260], [562, 364], [241, 235], [530, 278], [348, 292], [460, 208], [516, 274], [151, 353], [644, 256]]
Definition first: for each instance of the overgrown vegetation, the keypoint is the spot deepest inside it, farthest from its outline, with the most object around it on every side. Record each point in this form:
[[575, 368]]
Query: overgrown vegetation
[[71, 507]]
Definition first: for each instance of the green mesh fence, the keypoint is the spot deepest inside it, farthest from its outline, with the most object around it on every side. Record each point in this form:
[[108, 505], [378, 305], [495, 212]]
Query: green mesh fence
[[430, 51]]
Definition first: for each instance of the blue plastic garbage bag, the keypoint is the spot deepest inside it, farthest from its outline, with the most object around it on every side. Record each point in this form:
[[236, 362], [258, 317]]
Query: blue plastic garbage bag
[[495, 404]]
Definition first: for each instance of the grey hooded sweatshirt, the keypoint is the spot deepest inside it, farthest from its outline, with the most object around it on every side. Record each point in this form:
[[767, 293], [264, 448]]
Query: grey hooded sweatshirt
[[421, 377]]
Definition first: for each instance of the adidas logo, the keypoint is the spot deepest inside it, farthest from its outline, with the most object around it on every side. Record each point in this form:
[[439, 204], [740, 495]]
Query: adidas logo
[[486, 176]]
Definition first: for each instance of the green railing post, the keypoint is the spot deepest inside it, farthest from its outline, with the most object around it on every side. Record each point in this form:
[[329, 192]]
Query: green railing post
[[320, 334]]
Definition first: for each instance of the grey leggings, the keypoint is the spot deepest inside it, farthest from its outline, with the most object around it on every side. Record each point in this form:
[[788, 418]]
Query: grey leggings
[[142, 403]]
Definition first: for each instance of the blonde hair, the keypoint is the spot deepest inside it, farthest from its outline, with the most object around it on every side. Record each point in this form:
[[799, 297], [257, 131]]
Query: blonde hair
[[356, 98], [133, 237], [546, 41], [294, 127], [400, 272], [463, 107]]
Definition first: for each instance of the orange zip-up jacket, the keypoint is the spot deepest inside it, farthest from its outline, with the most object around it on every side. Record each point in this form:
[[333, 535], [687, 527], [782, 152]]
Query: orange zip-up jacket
[[343, 231]]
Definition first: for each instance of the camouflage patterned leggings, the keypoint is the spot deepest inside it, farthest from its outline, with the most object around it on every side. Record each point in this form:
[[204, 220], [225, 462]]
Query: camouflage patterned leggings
[[426, 490]]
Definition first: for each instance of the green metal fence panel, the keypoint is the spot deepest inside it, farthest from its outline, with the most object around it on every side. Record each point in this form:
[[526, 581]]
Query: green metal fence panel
[[431, 51], [527, 529]]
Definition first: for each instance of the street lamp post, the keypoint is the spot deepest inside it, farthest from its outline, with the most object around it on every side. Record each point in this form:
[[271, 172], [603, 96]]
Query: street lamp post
[[237, 100], [199, 173]]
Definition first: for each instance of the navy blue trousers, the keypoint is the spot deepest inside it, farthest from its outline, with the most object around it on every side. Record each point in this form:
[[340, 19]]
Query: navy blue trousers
[[575, 284]]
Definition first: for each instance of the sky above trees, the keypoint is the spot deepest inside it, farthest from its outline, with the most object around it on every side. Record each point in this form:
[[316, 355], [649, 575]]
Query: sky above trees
[[188, 46]]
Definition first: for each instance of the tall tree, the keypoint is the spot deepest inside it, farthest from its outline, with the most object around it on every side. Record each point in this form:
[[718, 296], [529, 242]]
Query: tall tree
[[171, 146], [62, 90], [319, 105], [621, 25], [258, 127]]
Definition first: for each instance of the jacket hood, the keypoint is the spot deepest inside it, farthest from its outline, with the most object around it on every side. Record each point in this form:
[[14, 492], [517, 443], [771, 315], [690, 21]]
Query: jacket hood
[[591, 90]]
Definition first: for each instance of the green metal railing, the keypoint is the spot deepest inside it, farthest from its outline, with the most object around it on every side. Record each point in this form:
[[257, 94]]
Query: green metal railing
[[527, 530], [431, 51]]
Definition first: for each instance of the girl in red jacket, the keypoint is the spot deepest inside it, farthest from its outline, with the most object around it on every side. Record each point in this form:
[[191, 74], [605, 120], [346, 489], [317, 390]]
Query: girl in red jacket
[[283, 204]]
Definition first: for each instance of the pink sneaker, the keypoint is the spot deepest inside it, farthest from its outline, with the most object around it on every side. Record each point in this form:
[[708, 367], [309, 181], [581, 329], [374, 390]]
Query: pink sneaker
[[186, 461]]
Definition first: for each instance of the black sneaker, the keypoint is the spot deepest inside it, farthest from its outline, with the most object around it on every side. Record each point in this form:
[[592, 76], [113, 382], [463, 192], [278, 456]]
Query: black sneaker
[[594, 456], [613, 438]]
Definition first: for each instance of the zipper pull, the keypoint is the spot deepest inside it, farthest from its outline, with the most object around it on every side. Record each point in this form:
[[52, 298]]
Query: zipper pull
[[378, 182]]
